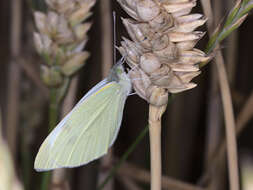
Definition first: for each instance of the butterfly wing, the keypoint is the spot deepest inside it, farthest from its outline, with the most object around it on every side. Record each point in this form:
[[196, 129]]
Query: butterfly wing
[[87, 132]]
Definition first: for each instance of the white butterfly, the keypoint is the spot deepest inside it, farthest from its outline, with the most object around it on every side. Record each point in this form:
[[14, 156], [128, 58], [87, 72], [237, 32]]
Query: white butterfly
[[88, 131]]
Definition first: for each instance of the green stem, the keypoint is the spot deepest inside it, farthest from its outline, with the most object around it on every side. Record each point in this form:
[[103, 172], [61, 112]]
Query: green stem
[[53, 117], [53, 109], [45, 180], [124, 157]]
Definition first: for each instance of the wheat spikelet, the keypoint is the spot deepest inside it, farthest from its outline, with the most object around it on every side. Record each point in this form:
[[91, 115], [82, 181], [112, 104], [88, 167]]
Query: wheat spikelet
[[61, 37], [161, 52]]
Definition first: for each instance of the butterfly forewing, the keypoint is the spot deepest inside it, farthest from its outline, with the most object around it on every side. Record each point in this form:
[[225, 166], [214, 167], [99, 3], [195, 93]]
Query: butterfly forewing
[[86, 132]]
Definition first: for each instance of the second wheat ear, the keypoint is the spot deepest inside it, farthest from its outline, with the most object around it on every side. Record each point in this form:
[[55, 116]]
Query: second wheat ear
[[60, 38], [162, 56]]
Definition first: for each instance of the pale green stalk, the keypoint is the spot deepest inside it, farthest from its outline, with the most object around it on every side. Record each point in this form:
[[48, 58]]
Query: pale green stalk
[[53, 117]]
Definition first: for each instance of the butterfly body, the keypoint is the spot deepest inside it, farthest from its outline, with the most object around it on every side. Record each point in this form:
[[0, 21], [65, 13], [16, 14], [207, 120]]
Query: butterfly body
[[88, 131]]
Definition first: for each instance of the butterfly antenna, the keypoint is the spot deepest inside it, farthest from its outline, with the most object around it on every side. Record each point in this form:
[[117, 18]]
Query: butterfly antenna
[[114, 37], [123, 58]]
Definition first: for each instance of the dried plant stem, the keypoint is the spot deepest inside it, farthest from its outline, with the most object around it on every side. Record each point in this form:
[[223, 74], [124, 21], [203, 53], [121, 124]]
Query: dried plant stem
[[128, 183], [218, 159], [13, 106], [142, 175], [229, 121], [155, 114], [230, 124], [207, 7], [231, 53], [214, 118], [53, 116], [14, 76], [245, 114], [155, 148], [106, 22], [107, 37]]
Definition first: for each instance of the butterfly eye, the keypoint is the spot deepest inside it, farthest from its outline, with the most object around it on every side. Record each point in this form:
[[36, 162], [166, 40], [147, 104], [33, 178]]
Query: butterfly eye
[[119, 71]]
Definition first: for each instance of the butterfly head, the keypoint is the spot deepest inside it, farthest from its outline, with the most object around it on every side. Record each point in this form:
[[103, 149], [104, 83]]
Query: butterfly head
[[119, 75]]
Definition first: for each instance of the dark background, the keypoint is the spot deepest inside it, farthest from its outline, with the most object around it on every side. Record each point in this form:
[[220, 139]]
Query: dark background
[[192, 123]]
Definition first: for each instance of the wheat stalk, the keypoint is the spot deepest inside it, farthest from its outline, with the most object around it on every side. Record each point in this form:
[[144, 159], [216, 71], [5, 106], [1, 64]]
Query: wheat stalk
[[60, 40], [162, 56]]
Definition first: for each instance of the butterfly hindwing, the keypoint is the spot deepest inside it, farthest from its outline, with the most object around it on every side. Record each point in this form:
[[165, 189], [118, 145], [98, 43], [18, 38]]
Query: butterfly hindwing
[[86, 132]]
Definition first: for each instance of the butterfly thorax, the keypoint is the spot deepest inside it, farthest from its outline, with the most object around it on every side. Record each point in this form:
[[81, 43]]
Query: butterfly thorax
[[119, 75]]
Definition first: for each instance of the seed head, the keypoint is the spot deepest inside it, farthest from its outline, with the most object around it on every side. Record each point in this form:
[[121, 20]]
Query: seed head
[[61, 38], [161, 51]]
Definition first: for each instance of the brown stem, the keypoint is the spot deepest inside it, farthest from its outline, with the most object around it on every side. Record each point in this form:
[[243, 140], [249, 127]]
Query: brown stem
[[155, 115], [14, 76], [128, 183], [106, 22], [107, 39], [218, 159], [214, 108], [230, 124], [142, 175], [232, 51], [245, 114], [229, 120]]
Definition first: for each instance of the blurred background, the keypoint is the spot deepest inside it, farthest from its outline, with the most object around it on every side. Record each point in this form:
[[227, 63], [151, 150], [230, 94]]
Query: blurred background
[[193, 126]]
